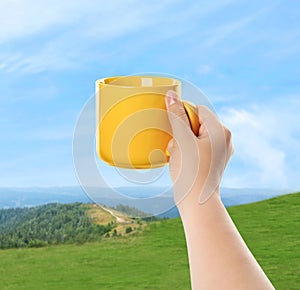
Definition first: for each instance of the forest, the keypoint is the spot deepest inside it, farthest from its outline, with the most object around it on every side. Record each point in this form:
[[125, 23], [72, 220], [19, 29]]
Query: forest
[[48, 224]]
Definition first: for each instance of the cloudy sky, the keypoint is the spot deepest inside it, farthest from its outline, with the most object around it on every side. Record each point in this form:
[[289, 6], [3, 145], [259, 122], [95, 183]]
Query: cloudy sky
[[244, 55]]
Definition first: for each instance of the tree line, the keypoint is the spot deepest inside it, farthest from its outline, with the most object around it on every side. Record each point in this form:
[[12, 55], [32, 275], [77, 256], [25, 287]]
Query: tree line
[[48, 224]]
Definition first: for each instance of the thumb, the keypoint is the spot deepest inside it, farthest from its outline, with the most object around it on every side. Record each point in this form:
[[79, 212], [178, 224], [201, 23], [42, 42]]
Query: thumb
[[177, 116]]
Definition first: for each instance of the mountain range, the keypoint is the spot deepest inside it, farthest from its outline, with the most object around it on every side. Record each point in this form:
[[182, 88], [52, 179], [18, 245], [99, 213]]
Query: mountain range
[[147, 199]]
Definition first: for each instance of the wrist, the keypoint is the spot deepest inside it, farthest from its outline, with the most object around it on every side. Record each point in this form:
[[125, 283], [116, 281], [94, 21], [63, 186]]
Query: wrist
[[190, 206], [194, 195]]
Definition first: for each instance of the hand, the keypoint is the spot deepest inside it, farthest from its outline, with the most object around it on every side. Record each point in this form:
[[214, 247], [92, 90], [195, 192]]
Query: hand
[[196, 163], [218, 256]]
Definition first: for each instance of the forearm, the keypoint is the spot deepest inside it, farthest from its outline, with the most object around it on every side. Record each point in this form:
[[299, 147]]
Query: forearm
[[218, 256]]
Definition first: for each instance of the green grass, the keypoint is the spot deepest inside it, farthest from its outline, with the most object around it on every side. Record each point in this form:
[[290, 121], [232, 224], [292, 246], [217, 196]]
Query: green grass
[[271, 229], [157, 259]]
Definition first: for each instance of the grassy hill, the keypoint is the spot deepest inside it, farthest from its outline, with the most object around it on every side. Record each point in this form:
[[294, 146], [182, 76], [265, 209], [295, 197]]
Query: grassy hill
[[272, 231], [54, 224], [156, 258]]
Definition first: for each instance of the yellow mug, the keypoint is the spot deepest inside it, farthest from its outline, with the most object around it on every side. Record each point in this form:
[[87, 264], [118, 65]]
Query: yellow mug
[[133, 129]]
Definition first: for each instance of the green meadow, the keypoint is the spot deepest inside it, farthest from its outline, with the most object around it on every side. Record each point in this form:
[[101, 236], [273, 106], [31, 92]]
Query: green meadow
[[156, 257]]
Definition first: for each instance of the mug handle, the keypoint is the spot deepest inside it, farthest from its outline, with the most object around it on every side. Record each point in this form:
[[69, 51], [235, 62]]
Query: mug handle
[[192, 113]]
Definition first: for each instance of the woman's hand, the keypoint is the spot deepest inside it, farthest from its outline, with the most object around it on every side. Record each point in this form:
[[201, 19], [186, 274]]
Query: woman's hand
[[218, 256], [196, 163]]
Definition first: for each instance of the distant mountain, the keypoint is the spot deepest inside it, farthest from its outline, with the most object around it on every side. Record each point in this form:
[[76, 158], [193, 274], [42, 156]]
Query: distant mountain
[[32, 196], [146, 199]]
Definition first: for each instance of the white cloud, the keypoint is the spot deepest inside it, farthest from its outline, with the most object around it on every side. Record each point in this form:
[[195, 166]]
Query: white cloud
[[21, 19], [57, 34], [214, 36], [266, 146], [224, 31], [67, 34], [101, 19]]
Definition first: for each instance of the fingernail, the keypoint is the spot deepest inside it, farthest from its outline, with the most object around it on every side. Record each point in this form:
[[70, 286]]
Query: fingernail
[[171, 98]]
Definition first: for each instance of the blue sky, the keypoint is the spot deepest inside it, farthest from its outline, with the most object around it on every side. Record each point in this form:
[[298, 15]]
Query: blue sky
[[244, 55]]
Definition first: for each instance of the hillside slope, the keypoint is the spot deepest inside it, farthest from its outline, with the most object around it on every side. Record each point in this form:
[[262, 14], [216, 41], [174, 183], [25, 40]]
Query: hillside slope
[[157, 258], [55, 223], [272, 231]]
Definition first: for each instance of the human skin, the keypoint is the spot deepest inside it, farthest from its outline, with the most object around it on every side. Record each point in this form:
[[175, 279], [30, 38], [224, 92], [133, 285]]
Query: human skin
[[218, 256]]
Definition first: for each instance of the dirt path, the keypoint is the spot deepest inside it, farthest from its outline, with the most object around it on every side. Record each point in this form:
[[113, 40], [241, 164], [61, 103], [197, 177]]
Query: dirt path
[[118, 219]]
